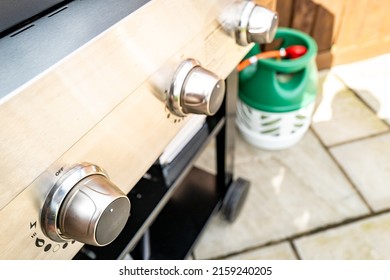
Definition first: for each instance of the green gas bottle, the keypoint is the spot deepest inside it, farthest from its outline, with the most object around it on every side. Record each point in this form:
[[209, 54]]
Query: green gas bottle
[[276, 96]]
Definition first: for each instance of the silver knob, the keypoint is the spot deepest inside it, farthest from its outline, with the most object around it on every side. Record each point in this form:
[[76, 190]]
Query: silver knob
[[249, 23], [195, 90], [85, 206]]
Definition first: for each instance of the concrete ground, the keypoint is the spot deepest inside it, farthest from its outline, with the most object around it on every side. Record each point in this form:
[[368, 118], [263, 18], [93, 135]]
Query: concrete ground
[[327, 197]]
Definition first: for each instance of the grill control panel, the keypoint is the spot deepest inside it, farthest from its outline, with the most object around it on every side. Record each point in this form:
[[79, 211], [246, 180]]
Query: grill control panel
[[84, 205], [114, 97]]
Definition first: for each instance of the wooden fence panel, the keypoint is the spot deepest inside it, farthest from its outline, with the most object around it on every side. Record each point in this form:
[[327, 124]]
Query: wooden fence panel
[[345, 30]]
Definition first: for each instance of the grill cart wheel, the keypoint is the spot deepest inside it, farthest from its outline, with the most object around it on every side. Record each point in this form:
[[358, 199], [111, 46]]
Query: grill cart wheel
[[234, 199]]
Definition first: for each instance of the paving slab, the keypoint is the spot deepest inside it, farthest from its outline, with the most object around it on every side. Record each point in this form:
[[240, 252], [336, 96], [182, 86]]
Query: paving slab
[[368, 239], [367, 163], [370, 79], [341, 116], [282, 251], [292, 191]]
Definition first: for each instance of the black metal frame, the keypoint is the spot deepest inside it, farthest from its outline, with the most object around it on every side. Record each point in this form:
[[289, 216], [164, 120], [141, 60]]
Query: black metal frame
[[171, 205]]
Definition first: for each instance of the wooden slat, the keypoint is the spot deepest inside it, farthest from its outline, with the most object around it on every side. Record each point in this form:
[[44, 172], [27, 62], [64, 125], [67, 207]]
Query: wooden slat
[[374, 15], [323, 29], [285, 10], [384, 28], [364, 51], [336, 9], [365, 25], [324, 60], [352, 23], [304, 15]]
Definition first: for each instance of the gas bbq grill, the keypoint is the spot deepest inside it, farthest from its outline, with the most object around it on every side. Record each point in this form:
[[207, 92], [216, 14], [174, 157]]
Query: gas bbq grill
[[101, 106]]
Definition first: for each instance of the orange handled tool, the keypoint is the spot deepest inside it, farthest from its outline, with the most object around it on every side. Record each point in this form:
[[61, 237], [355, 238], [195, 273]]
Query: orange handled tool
[[289, 52]]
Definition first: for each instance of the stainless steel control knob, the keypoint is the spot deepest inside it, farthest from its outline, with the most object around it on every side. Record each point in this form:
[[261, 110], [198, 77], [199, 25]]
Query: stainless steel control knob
[[248, 23], [195, 90], [85, 206]]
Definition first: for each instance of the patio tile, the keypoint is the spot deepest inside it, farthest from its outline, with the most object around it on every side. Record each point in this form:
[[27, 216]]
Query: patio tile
[[367, 163], [368, 239], [282, 251], [292, 191], [370, 79], [341, 116]]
